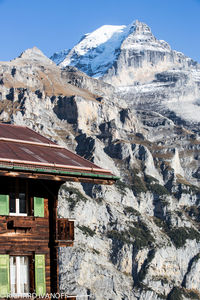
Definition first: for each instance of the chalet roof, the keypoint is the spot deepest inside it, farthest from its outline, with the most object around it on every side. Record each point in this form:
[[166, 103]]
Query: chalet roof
[[24, 150]]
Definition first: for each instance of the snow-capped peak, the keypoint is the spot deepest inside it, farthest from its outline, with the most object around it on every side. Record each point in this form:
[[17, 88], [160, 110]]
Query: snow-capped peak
[[99, 37], [97, 49], [126, 53]]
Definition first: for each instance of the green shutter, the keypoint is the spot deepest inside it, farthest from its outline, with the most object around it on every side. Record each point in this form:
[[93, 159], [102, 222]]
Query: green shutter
[[4, 275], [40, 281], [38, 207], [4, 205]]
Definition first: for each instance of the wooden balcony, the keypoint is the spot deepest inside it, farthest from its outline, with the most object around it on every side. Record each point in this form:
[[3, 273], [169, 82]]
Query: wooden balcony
[[65, 232]]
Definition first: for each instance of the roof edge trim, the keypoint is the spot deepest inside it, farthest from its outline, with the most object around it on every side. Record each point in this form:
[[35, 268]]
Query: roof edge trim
[[12, 161], [31, 143], [60, 172]]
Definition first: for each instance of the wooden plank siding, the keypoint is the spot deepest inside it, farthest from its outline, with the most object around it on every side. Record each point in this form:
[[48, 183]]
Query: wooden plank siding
[[52, 177], [30, 235]]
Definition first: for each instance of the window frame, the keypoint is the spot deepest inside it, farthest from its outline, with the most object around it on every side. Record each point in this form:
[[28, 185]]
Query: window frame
[[18, 275], [18, 189], [17, 207]]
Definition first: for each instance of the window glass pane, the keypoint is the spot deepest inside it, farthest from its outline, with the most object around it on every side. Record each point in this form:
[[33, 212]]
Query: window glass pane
[[12, 203], [13, 275], [22, 203], [19, 274], [24, 271]]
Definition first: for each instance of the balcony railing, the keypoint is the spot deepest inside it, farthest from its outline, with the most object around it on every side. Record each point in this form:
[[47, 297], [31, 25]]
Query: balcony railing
[[65, 230]]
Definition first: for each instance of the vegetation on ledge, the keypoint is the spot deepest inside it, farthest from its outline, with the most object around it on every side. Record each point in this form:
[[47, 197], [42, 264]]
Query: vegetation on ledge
[[75, 196], [178, 235], [86, 230], [137, 234], [178, 293]]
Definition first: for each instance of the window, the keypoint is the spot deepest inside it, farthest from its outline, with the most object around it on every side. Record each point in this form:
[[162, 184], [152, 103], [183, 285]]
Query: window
[[19, 275], [16, 272], [17, 199], [17, 204], [14, 199]]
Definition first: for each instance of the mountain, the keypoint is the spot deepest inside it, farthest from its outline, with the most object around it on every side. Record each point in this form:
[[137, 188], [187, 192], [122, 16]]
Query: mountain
[[144, 70], [123, 54], [138, 239]]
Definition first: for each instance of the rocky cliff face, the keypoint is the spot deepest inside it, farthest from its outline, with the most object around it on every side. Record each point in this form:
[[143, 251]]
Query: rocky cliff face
[[145, 71], [140, 238], [123, 55]]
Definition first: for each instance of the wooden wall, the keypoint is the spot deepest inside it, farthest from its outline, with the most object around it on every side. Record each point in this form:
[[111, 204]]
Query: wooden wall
[[29, 235]]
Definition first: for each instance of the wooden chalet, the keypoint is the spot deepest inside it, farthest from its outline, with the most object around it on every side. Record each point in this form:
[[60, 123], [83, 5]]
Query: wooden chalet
[[32, 169]]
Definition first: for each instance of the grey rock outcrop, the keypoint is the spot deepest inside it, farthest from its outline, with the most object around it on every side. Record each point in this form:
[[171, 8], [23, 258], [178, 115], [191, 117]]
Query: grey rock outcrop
[[137, 239]]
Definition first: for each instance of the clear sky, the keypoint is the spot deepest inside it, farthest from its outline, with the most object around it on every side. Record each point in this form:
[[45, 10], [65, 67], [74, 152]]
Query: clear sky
[[54, 25]]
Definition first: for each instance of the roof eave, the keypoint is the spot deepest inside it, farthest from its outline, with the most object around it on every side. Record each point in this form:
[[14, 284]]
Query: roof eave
[[61, 175]]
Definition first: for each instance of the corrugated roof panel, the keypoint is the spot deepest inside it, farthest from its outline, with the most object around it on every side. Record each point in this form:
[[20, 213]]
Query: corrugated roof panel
[[16, 149], [40, 153], [21, 133], [26, 150]]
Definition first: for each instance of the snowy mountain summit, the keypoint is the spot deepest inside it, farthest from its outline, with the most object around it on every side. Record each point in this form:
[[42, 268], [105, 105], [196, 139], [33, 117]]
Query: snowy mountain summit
[[96, 51], [117, 54], [144, 70]]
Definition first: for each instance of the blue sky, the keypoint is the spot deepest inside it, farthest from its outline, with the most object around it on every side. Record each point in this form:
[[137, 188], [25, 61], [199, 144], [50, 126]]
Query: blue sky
[[54, 25]]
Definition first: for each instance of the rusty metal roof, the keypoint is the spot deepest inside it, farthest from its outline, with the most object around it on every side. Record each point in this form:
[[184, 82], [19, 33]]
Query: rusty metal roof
[[23, 147], [21, 133]]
